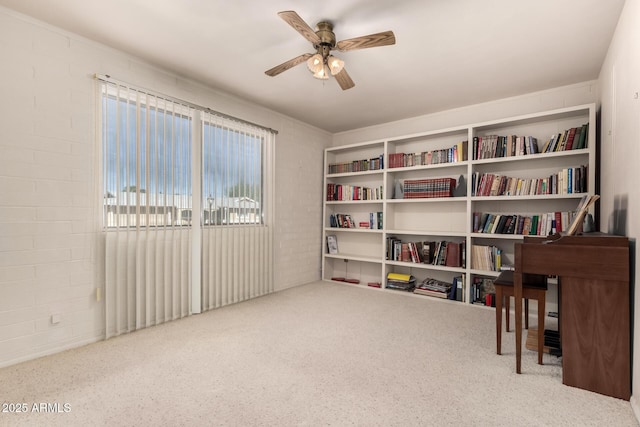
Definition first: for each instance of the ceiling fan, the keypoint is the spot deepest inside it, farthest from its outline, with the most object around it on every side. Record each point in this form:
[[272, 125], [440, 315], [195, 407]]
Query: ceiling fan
[[323, 63]]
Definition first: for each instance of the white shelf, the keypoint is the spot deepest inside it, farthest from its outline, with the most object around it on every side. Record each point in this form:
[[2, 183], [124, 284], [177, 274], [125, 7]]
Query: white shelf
[[427, 233], [521, 198], [457, 270], [353, 257], [452, 165], [534, 157], [358, 202], [428, 200], [352, 174], [448, 218], [497, 236], [330, 230]]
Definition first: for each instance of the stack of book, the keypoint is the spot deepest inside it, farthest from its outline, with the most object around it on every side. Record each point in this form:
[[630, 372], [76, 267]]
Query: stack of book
[[434, 288], [402, 282], [428, 188]]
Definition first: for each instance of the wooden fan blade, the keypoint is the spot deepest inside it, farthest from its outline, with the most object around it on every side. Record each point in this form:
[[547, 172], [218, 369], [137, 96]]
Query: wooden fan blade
[[298, 24], [289, 64], [344, 80], [372, 40]]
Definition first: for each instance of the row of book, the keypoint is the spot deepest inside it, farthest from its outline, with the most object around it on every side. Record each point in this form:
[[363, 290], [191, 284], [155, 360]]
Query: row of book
[[346, 221], [428, 188], [483, 291], [492, 146], [344, 192], [534, 225], [571, 139], [429, 286], [450, 254], [375, 163], [486, 257], [456, 153], [567, 181]]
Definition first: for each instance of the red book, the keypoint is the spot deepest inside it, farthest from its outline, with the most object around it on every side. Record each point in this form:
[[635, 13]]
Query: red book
[[452, 257], [558, 218], [570, 138]]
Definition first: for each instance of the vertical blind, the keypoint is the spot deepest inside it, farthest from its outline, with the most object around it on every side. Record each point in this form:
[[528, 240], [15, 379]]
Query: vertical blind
[[237, 199], [187, 206]]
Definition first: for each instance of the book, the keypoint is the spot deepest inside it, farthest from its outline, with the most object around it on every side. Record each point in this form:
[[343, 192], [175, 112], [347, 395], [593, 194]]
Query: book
[[428, 249], [402, 285], [584, 136], [581, 212], [429, 292], [458, 282], [453, 255], [332, 244], [399, 277]]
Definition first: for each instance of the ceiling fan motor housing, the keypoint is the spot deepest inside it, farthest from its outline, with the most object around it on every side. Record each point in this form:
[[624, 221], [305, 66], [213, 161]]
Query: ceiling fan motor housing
[[327, 38]]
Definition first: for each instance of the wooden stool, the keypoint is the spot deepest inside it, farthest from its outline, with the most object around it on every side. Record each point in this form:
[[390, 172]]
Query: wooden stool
[[533, 287]]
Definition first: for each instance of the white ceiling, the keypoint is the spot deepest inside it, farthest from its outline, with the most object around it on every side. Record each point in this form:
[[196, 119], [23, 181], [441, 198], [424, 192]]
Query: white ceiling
[[449, 53]]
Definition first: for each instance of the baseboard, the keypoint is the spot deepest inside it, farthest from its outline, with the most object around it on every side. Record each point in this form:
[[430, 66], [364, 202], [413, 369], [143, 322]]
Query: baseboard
[[50, 351], [635, 407]]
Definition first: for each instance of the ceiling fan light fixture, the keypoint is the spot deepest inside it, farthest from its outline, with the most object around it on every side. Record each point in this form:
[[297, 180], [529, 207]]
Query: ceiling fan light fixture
[[335, 65], [315, 63], [323, 73]]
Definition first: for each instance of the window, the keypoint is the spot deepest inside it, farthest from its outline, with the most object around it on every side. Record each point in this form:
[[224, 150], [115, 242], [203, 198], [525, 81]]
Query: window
[[148, 160], [232, 175]]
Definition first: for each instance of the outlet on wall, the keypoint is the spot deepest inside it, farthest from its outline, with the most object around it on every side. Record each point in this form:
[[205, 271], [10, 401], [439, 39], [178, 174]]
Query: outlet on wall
[[56, 318]]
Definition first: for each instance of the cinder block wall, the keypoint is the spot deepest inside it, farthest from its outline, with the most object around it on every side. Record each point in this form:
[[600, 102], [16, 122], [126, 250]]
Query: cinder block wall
[[50, 263]]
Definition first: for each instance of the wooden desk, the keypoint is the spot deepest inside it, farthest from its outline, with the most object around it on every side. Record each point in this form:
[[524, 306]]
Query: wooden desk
[[594, 296]]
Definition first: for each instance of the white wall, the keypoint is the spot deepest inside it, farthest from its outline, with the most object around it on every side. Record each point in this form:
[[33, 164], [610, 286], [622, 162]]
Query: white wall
[[49, 192], [619, 84], [577, 94]]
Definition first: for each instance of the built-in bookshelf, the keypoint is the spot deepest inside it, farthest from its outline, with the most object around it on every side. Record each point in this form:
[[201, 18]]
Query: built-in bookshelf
[[480, 187]]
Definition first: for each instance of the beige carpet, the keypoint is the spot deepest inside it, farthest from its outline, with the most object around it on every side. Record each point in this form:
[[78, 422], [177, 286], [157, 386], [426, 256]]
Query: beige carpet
[[318, 354]]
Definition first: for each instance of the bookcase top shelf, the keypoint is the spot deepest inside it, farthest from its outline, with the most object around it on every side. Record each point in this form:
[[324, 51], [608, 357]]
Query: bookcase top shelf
[[584, 152], [529, 197]]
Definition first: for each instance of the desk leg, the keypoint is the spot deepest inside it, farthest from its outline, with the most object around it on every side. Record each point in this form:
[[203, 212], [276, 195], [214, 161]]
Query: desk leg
[[499, 298], [517, 291], [517, 294]]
